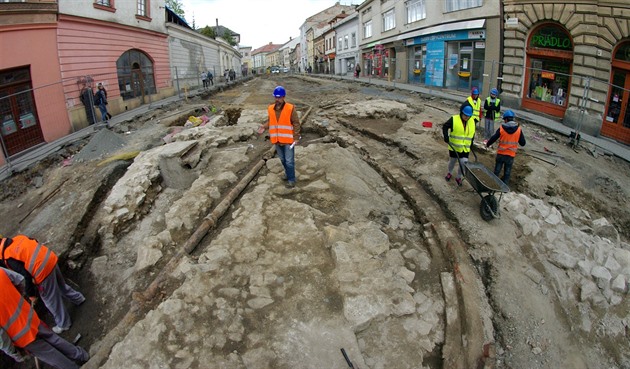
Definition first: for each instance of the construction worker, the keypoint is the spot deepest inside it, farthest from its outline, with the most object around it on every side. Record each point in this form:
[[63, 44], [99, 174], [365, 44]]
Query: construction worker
[[461, 137], [510, 135], [475, 103], [492, 108], [38, 264], [284, 132], [22, 332]]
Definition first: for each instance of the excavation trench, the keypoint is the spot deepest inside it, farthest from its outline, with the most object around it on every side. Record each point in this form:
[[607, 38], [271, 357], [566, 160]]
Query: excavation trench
[[469, 336]]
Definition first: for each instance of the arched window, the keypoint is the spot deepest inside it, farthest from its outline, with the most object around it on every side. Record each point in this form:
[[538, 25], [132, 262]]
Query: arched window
[[135, 75]]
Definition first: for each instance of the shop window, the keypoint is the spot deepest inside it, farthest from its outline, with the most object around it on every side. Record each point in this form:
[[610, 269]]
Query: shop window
[[345, 42], [416, 10], [354, 40], [389, 20], [454, 5], [549, 80]]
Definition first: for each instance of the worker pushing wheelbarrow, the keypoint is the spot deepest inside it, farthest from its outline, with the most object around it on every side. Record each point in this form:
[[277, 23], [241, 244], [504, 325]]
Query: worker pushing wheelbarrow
[[482, 180]]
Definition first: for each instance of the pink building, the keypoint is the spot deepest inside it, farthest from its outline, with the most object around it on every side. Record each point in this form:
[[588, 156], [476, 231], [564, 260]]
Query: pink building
[[55, 52]]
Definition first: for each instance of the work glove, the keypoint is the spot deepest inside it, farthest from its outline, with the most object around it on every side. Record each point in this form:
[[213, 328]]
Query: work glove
[[261, 129]]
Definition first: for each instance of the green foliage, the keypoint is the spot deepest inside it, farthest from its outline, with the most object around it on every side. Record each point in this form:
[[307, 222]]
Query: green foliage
[[176, 6], [208, 31], [229, 38]]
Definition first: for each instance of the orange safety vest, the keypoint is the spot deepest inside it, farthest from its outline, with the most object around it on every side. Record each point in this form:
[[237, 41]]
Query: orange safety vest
[[17, 317], [38, 259], [508, 142], [281, 130]]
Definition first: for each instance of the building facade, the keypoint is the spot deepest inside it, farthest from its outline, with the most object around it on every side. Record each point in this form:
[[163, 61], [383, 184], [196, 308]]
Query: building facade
[[121, 44], [570, 60], [347, 50], [446, 43], [32, 106]]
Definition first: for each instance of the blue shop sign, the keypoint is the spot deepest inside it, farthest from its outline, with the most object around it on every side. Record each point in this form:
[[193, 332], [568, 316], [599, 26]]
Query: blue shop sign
[[463, 34]]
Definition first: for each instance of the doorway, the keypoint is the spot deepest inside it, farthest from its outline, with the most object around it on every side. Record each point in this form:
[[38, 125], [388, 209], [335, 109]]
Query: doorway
[[19, 124], [138, 83]]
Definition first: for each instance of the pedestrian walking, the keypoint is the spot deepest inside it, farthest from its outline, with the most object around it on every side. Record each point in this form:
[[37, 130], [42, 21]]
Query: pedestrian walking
[[204, 79], [284, 132], [459, 141], [357, 71], [475, 103], [492, 108], [100, 100], [510, 136], [22, 332], [210, 77], [38, 264]]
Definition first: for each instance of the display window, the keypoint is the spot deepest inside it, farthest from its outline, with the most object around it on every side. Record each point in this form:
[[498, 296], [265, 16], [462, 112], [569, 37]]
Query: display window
[[548, 72], [616, 122]]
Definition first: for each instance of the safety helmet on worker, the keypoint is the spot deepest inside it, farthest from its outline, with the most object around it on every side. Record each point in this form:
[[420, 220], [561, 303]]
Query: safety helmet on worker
[[279, 92], [467, 110], [475, 91], [508, 115], [494, 92]]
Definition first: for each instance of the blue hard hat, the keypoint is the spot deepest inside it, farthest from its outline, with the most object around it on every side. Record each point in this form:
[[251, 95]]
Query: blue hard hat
[[279, 92], [508, 114], [494, 91], [475, 91], [467, 110]]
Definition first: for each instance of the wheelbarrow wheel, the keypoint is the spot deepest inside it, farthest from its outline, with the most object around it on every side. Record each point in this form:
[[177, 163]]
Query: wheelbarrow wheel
[[489, 207]]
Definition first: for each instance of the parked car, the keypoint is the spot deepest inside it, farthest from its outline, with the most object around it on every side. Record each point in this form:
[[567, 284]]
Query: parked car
[[275, 70], [285, 69]]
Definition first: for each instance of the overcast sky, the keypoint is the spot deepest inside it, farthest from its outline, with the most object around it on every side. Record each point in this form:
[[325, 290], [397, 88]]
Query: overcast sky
[[259, 22]]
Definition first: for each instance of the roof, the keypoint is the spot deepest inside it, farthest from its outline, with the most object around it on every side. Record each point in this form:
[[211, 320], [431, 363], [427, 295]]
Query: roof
[[266, 49]]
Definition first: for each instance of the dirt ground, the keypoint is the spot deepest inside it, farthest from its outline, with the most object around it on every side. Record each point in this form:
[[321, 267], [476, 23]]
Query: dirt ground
[[540, 314]]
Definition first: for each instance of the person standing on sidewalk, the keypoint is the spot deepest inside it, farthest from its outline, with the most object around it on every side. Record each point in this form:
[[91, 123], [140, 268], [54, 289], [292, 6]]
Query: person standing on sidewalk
[[284, 132], [510, 135], [100, 100], [459, 141], [38, 264], [22, 332], [204, 79], [492, 108]]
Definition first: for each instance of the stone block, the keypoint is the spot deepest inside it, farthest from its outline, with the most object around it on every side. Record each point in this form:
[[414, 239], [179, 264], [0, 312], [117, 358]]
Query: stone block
[[602, 276], [563, 260], [619, 284]]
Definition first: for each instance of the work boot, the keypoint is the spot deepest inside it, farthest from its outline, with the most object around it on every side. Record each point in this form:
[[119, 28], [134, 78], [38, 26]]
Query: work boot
[[448, 177], [459, 181], [59, 330], [290, 184]]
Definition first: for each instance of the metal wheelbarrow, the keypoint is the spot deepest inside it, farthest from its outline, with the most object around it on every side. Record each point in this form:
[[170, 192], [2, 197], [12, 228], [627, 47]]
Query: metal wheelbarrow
[[486, 184]]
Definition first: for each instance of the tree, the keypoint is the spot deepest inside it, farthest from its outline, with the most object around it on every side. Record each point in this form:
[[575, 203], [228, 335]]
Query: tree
[[229, 38], [176, 6], [208, 31]]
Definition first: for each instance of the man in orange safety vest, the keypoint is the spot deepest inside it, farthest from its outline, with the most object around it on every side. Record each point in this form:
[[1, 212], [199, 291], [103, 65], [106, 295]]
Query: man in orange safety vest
[[22, 332]]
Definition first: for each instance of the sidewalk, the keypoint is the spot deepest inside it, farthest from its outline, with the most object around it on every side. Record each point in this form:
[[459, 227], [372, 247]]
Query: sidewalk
[[23, 160]]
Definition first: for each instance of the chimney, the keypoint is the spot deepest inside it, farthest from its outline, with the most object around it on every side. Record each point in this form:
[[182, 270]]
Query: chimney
[[217, 22]]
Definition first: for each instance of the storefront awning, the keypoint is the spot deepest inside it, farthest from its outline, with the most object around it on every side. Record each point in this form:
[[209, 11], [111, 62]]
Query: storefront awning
[[463, 25]]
